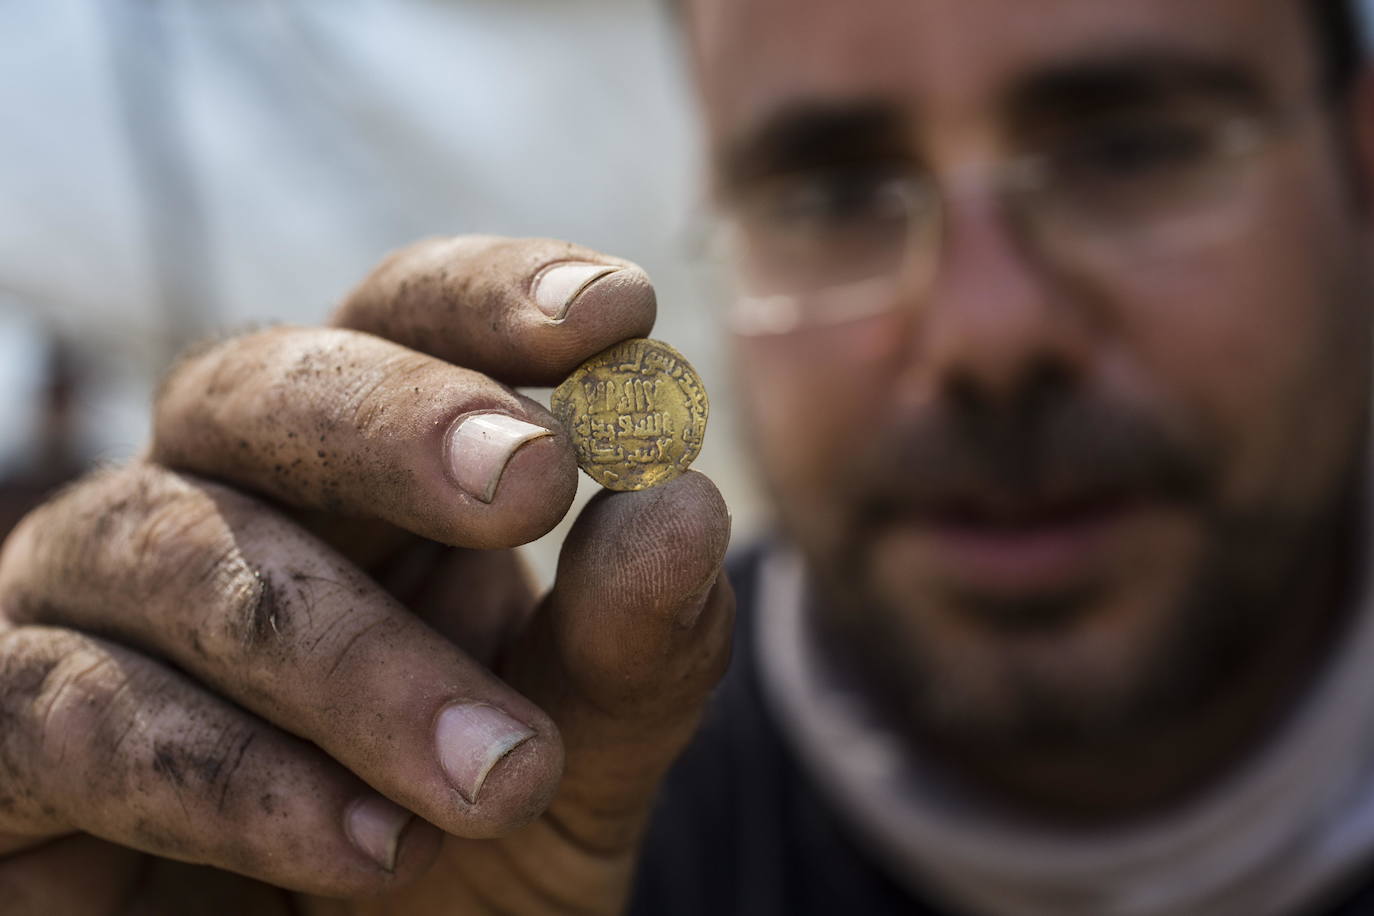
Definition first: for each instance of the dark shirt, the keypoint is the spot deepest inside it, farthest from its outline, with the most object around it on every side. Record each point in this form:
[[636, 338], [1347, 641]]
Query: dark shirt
[[740, 829]]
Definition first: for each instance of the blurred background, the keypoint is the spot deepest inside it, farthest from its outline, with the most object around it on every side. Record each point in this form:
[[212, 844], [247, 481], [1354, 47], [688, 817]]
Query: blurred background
[[172, 168]]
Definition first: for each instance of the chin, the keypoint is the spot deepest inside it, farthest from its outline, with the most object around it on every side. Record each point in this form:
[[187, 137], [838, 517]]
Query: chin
[[1072, 656]]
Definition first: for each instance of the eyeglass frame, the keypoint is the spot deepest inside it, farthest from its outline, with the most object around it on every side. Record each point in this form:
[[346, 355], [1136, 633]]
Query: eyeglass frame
[[1238, 137]]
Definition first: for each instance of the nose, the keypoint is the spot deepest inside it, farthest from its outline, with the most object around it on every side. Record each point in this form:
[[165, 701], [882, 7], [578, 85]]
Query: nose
[[997, 324]]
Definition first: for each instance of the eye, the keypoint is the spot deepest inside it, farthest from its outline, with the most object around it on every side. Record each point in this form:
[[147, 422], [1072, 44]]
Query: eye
[[826, 201], [826, 227], [1134, 150]]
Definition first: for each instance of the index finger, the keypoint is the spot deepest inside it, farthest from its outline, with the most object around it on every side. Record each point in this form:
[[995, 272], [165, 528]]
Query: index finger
[[359, 427], [523, 311]]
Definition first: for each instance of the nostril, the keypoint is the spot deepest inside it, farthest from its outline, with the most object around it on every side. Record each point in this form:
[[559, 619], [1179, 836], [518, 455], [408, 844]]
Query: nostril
[[1049, 380], [964, 394], [1027, 389]]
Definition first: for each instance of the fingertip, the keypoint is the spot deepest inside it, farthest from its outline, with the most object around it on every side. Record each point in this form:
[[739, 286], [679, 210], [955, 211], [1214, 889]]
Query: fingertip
[[534, 490], [707, 504], [524, 310], [624, 304], [618, 303], [681, 528], [480, 445], [635, 586], [503, 794]]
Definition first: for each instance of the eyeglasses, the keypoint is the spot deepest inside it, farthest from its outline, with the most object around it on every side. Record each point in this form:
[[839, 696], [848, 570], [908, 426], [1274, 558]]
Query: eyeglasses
[[833, 245]]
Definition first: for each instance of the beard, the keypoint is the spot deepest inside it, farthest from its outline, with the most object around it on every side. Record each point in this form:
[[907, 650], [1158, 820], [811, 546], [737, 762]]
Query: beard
[[1062, 693], [1059, 671]]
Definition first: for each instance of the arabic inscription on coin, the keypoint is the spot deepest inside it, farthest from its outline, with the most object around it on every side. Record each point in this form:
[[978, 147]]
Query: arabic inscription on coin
[[636, 413]]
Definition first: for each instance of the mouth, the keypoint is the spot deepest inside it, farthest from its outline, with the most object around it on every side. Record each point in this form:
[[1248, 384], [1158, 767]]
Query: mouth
[[1025, 548]]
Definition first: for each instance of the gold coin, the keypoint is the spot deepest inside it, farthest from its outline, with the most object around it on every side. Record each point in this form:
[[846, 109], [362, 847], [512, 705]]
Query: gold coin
[[636, 413]]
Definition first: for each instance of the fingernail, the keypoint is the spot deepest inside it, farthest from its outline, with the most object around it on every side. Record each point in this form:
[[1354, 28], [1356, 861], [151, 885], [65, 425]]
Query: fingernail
[[375, 825], [472, 738], [557, 288], [480, 447]]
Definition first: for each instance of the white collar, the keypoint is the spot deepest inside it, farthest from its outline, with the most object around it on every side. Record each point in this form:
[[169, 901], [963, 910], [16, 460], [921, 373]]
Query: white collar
[[1288, 829]]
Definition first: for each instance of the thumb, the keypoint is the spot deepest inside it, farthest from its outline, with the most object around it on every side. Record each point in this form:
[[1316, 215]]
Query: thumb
[[626, 650]]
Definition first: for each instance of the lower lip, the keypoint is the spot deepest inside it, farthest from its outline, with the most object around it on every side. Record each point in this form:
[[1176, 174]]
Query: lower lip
[[1032, 558]]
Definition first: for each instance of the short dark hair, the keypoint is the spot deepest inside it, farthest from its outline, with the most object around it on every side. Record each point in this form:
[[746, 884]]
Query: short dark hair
[[1336, 25]]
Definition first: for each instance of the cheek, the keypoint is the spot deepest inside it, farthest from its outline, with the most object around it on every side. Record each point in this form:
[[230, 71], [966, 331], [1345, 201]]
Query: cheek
[[1255, 338], [811, 402]]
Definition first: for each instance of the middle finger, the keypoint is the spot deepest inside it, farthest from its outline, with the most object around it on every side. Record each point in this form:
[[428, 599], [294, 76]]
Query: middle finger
[[271, 618]]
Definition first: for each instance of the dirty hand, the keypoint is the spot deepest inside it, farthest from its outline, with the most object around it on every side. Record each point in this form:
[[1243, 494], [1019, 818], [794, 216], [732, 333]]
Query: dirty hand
[[292, 642]]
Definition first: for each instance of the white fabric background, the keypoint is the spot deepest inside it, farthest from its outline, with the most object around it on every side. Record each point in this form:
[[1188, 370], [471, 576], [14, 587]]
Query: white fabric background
[[172, 166], [184, 165]]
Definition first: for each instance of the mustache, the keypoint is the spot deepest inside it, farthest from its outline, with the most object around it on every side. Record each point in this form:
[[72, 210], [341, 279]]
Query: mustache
[[1028, 459]]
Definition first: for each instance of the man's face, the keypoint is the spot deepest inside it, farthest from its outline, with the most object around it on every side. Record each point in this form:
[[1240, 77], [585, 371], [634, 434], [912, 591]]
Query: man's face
[[1087, 453]]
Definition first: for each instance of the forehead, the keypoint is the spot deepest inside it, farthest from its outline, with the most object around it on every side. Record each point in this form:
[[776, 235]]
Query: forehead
[[954, 58]]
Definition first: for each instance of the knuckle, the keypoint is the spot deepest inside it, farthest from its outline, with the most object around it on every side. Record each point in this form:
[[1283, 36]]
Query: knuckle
[[179, 550], [67, 711], [184, 535], [194, 361], [370, 401], [32, 675], [27, 663], [255, 611], [67, 539], [76, 698], [190, 549], [172, 530], [154, 538], [83, 719]]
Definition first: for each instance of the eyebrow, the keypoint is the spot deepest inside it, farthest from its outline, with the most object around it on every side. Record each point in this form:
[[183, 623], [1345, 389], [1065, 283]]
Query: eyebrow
[[808, 135], [1133, 80]]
